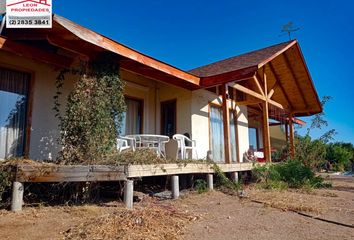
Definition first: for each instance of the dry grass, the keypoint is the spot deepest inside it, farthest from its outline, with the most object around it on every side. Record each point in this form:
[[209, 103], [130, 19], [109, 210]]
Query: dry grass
[[289, 200], [149, 220]]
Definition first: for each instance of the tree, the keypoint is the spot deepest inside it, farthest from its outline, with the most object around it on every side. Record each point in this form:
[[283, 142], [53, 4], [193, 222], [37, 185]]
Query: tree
[[312, 152], [340, 155]]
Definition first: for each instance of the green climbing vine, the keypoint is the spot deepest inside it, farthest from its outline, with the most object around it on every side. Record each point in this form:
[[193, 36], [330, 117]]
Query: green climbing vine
[[93, 113]]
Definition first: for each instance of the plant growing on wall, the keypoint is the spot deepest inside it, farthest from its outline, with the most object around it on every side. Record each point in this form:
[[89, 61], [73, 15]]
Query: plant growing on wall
[[93, 114]]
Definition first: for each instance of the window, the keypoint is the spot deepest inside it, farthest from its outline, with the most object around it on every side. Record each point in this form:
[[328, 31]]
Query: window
[[216, 133], [13, 112], [253, 138], [133, 117], [168, 118]]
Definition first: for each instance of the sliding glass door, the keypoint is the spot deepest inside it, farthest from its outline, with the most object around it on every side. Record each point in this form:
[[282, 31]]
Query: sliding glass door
[[217, 134], [13, 112], [233, 132]]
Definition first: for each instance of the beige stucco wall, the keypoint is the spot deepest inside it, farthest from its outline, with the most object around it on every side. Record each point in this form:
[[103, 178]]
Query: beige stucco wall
[[44, 129], [192, 107], [200, 122]]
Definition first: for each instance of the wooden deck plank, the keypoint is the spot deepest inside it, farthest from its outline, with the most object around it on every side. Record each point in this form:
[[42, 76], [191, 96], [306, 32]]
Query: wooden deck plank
[[80, 173], [173, 169], [30, 173]]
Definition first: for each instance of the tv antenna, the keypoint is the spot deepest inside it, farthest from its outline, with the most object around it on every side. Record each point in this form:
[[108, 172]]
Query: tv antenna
[[288, 29]]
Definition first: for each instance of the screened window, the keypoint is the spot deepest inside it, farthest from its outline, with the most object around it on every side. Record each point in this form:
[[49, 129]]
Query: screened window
[[217, 134], [133, 117], [13, 112]]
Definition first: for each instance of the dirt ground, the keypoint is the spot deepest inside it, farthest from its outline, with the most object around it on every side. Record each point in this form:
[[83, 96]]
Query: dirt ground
[[212, 215]]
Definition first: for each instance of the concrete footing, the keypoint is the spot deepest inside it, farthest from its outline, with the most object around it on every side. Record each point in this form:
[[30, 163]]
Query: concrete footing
[[210, 181], [128, 193], [175, 186], [17, 196], [234, 176]]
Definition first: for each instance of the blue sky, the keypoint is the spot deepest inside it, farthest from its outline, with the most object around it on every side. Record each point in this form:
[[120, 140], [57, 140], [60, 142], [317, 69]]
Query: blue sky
[[188, 34]]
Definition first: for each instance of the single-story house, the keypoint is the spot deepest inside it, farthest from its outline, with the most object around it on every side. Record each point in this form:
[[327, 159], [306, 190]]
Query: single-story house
[[226, 106]]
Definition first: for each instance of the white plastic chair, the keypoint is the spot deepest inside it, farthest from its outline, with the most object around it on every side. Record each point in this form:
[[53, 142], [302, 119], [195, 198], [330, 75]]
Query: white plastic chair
[[183, 148], [122, 144]]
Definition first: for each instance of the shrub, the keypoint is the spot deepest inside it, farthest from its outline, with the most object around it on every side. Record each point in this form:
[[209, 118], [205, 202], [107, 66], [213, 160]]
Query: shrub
[[92, 119], [292, 174], [201, 186], [222, 181]]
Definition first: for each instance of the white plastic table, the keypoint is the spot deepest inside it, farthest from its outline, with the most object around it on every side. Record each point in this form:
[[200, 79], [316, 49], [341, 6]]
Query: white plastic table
[[151, 141]]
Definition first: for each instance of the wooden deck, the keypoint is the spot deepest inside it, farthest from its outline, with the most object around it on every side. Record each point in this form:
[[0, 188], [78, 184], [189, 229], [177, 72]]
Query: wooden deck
[[96, 173]]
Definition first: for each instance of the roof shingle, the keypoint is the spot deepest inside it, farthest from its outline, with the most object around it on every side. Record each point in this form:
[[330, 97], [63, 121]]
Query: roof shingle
[[246, 60]]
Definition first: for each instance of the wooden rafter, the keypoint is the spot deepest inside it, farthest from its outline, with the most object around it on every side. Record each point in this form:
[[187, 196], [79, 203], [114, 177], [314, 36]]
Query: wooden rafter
[[256, 95], [247, 91], [67, 45], [274, 103], [288, 65], [276, 77], [256, 80], [34, 53], [270, 94], [248, 102]]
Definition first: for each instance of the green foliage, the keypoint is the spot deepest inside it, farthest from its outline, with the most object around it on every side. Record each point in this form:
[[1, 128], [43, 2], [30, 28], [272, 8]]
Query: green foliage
[[340, 155], [201, 186], [312, 152], [5, 180], [223, 181], [292, 174], [93, 114]]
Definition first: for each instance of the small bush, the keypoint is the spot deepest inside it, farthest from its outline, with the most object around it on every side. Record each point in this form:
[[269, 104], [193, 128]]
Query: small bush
[[201, 186], [222, 181], [292, 174]]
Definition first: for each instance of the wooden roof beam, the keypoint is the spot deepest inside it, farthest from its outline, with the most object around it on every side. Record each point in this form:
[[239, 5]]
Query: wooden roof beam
[[34, 53], [247, 91], [256, 80], [256, 95], [288, 65], [67, 45]]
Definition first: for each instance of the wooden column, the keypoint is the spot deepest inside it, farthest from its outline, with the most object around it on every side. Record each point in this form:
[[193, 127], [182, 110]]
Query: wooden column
[[287, 133], [266, 134], [226, 120], [292, 144]]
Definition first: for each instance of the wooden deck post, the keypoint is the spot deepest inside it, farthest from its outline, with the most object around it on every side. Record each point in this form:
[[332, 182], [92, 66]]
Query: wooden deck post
[[175, 186], [210, 181], [128, 193], [17, 196], [234, 177], [292, 144], [226, 123], [266, 134]]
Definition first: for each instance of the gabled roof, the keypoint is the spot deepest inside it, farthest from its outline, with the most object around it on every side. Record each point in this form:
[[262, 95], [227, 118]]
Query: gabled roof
[[284, 65], [254, 59]]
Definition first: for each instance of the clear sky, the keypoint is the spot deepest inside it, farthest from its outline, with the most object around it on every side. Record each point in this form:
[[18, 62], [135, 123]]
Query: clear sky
[[188, 34]]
